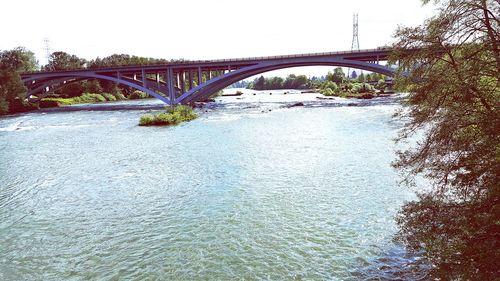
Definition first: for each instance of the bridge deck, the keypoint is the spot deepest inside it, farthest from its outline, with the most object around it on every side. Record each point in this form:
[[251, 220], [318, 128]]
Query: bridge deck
[[381, 53]]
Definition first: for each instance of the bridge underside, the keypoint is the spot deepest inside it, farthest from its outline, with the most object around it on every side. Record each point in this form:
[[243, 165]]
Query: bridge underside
[[193, 81]]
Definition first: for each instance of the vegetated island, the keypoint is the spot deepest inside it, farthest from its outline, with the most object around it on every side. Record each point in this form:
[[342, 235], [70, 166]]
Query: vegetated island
[[172, 116]]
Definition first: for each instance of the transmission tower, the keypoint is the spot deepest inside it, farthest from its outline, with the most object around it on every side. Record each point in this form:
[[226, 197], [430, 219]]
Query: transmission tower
[[355, 39], [46, 47]]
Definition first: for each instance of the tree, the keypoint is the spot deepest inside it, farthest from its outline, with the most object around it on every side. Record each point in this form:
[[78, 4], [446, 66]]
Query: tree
[[338, 76], [354, 75], [452, 64], [273, 83], [361, 78], [259, 83], [293, 81], [92, 86], [12, 89], [64, 61]]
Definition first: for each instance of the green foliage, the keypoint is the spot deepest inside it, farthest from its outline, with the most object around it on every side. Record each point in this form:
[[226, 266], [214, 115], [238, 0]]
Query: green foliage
[[329, 88], [328, 92], [338, 76], [380, 85], [362, 88], [122, 59], [259, 83], [147, 120], [138, 95], [70, 90], [109, 97], [85, 98], [89, 98], [296, 82], [374, 77], [92, 86], [12, 89], [119, 96], [173, 115], [361, 78], [64, 61], [273, 83], [453, 107]]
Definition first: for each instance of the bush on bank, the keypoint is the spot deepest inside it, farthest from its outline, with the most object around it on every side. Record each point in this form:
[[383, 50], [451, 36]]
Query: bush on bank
[[173, 115], [139, 95], [85, 98]]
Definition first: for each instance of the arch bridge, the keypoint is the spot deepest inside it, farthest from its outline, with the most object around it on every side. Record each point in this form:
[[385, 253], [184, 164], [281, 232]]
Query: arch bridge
[[191, 81]]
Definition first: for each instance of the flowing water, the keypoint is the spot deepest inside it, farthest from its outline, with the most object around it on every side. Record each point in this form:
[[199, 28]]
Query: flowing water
[[253, 189]]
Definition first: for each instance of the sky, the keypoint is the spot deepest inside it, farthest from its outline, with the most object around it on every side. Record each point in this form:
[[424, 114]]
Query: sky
[[202, 29]]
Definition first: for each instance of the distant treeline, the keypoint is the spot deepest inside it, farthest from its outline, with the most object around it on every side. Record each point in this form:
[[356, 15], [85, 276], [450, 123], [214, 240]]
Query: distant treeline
[[333, 82]]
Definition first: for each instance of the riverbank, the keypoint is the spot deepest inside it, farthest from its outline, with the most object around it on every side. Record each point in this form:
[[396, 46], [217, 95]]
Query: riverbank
[[89, 98]]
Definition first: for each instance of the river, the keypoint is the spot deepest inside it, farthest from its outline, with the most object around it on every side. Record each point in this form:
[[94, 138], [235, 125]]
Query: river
[[253, 189]]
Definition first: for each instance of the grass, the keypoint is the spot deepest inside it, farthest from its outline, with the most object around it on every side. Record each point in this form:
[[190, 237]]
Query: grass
[[85, 98], [173, 115]]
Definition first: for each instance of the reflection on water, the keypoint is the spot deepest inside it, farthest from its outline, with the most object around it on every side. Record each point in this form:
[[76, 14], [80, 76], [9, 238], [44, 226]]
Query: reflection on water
[[253, 189]]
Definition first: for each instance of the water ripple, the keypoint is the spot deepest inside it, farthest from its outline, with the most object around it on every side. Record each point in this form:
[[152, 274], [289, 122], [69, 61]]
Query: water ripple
[[301, 193]]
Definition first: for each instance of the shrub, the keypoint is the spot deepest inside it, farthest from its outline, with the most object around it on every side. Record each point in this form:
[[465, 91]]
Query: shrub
[[138, 95], [54, 102], [50, 102], [329, 88], [89, 98], [146, 120], [380, 85], [362, 88], [108, 97], [327, 92], [85, 98], [119, 96]]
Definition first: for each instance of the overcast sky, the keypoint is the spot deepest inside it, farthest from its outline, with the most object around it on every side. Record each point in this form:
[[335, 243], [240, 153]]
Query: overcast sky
[[197, 29]]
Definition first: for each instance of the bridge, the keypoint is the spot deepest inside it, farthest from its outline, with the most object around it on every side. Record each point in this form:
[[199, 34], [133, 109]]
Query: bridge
[[191, 81]]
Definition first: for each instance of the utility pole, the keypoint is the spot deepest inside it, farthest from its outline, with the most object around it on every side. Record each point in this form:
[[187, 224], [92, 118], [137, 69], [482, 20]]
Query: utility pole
[[46, 47], [355, 40]]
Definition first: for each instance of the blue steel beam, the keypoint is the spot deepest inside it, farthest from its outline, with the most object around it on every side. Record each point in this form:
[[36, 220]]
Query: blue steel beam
[[203, 91], [91, 74], [226, 72]]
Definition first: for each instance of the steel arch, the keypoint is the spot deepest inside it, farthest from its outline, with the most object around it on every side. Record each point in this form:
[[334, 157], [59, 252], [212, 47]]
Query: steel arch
[[203, 91]]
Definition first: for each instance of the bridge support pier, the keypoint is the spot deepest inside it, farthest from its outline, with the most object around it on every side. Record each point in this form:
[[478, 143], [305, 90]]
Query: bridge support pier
[[170, 85], [190, 77], [181, 80]]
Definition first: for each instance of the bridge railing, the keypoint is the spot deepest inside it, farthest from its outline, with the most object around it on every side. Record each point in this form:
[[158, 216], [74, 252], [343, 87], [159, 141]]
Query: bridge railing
[[379, 49]]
